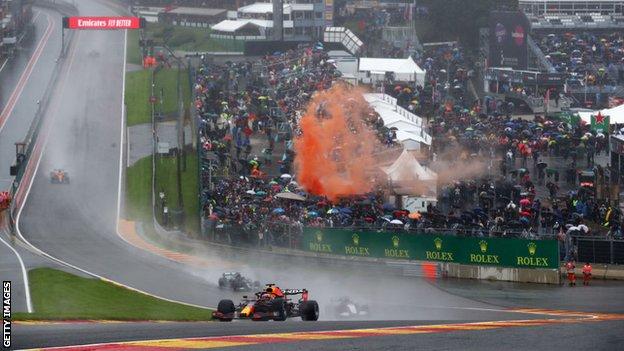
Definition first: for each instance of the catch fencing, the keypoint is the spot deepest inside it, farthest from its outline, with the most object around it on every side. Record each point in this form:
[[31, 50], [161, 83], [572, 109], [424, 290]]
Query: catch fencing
[[599, 250]]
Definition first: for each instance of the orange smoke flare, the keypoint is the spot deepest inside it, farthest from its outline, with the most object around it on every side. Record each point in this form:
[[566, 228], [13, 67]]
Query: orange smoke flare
[[336, 149]]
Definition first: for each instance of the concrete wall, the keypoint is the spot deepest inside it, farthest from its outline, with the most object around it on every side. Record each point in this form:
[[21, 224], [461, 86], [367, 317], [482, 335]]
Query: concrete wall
[[522, 275]]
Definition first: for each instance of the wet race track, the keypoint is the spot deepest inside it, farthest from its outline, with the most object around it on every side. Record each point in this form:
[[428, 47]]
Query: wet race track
[[77, 224]]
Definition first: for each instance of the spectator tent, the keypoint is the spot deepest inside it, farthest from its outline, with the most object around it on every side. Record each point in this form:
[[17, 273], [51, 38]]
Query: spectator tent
[[407, 168], [415, 183], [408, 126], [373, 70], [249, 29], [616, 115]]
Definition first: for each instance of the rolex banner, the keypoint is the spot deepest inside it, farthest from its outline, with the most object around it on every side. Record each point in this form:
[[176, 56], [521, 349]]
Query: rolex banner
[[517, 253]]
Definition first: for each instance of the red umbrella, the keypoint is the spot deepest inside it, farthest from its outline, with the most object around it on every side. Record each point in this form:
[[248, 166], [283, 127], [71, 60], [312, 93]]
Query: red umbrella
[[525, 202]]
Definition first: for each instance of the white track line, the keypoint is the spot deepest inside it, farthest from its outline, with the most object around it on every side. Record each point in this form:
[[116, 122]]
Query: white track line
[[4, 65], [122, 128], [24, 276], [31, 182]]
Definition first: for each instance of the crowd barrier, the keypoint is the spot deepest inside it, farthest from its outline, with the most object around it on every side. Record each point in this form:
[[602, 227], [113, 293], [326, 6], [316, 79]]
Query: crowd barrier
[[502, 252], [422, 245]]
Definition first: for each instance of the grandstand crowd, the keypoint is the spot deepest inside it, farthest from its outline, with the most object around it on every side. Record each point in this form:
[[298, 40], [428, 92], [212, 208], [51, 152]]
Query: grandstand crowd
[[249, 113], [593, 59]]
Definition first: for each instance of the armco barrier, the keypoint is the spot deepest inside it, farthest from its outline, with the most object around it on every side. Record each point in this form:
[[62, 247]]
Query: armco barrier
[[500, 252]]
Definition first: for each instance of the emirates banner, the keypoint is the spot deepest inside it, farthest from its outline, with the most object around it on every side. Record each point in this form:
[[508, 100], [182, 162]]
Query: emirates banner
[[103, 22], [503, 252]]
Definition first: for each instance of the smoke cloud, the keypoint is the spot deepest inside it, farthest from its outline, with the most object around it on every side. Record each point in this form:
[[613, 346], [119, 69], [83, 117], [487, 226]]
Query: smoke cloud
[[336, 149]]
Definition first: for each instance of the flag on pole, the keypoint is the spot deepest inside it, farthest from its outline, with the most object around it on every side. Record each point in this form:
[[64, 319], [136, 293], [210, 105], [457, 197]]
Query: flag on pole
[[600, 123], [546, 101]]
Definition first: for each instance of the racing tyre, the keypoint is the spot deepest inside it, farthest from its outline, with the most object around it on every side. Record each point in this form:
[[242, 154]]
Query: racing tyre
[[279, 310], [222, 283], [309, 310], [227, 308]]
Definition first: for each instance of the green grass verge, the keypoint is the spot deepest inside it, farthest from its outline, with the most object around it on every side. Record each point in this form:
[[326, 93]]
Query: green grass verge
[[139, 190], [190, 39], [59, 295], [166, 87], [166, 181], [134, 52], [137, 97]]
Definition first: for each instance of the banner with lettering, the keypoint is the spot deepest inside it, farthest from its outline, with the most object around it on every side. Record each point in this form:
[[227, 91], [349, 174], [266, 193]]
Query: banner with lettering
[[503, 252]]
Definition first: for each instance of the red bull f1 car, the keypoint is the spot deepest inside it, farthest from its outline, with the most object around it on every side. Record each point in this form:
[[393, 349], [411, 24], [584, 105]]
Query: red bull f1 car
[[272, 303]]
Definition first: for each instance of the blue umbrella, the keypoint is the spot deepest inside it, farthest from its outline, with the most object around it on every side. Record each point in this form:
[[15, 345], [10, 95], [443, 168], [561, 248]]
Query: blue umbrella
[[278, 211], [313, 214], [389, 207], [333, 211], [346, 210]]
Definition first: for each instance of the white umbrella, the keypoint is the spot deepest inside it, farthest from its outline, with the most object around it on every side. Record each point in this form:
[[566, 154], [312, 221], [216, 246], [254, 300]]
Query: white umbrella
[[250, 192], [396, 221], [285, 176], [291, 196]]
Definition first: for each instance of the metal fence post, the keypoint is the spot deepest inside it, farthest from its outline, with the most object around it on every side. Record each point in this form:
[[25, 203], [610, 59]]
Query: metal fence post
[[290, 239], [611, 251]]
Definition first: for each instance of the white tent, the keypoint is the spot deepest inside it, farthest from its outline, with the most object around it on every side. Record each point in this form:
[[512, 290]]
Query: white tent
[[230, 26], [400, 119], [405, 70], [410, 140], [407, 168], [616, 115]]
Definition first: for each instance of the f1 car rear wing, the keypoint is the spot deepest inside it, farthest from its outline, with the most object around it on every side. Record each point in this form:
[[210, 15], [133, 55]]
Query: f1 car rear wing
[[294, 291], [303, 292]]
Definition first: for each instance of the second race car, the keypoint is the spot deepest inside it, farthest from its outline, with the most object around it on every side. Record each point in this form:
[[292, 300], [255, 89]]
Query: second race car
[[236, 282], [345, 308], [271, 303]]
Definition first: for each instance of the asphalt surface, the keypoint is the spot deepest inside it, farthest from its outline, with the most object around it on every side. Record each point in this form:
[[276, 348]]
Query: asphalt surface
[[37, 335], [76, 223], [601, 336]]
